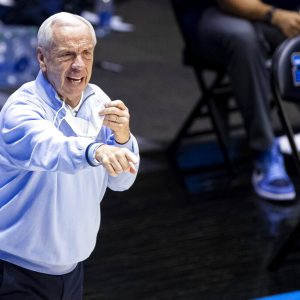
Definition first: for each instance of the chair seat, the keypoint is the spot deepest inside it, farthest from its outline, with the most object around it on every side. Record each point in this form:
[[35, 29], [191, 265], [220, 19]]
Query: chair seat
[[192, 59]]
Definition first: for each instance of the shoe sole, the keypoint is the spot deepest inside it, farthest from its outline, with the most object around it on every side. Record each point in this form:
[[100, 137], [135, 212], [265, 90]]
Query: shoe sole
[[275, 197], [271, 196]]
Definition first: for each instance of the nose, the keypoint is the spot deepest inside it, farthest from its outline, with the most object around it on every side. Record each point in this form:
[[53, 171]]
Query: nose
[[78, 63]]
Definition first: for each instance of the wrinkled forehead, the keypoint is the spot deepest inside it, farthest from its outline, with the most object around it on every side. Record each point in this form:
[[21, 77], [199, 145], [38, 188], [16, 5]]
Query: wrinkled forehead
[[71, 25], [71, 33]]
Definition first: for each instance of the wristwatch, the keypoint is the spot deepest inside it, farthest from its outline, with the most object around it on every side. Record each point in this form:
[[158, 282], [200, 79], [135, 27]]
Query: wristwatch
[[268, 16]]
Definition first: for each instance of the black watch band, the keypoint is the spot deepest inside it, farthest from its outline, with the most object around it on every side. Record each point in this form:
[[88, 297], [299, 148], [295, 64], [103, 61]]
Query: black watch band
[[268, 16]]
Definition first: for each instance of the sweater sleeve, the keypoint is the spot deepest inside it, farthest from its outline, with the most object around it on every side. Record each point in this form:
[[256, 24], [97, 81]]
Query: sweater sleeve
[[33, 143]]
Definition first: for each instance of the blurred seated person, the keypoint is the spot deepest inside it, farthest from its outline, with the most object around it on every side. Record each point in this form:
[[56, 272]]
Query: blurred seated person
[[34, 12], [29, 12], [241, 35]]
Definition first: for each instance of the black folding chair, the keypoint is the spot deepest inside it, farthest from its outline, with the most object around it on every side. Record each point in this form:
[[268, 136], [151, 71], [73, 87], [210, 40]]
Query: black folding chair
[[212, 93], [286, 88]]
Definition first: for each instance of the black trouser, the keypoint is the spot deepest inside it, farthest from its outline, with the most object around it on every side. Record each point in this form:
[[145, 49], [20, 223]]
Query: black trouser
[[17, 283], [243, 47]]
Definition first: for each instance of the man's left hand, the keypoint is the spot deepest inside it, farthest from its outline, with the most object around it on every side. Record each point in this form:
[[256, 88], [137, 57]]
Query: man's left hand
[[116, 117]]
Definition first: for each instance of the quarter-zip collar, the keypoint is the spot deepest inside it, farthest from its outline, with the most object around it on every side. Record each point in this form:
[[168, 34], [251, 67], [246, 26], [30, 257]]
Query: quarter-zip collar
[[49, 94]]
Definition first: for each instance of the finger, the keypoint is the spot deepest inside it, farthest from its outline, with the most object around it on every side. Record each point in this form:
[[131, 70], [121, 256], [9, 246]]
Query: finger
[[111, 111], [109, 168], [117, 119], [117, 168], [113, 167], [116, 126], [108, 165], [113, 125], [122, 160], [132, 168], [114, 163], [114, 111], [116, 103], [294, 33], [131, 157], [112, 118]]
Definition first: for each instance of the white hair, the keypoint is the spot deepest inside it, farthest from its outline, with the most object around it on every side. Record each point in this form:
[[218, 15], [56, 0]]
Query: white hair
[[45, 32]]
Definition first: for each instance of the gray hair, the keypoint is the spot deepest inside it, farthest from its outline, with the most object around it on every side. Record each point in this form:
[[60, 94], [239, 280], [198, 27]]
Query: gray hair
[[45, 33]]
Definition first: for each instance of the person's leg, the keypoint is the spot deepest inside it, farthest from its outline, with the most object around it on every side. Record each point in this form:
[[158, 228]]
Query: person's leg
[[269, 36], [17, 283], [73, 284], [235, 44]]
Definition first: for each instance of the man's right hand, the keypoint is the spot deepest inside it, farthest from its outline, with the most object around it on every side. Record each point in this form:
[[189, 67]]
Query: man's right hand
[[116, 160], [287, 21]]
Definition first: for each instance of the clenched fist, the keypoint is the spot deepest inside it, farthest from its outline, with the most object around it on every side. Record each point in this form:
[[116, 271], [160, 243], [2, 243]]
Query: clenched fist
[[116, 160]]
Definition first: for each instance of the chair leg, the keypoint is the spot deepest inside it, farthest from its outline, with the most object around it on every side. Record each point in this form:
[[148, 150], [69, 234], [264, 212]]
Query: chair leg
[[207, 99], [185, 127], [218, 126], [215, 117], [295, 233]]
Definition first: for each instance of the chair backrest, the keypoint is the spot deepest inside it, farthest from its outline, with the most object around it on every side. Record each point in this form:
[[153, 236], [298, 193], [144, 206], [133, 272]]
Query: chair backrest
[[187, 14], [286, 70]]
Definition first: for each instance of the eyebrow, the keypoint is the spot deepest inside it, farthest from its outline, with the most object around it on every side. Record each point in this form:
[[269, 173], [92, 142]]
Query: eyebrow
[[62, 49], [68, 50]]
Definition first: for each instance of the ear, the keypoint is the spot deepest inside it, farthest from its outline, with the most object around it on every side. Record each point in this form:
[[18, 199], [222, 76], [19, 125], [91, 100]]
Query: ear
[[41, 59]]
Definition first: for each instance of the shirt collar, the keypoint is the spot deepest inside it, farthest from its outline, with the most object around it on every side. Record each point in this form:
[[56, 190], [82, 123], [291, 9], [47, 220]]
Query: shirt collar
[[49, 94], [75, 109]]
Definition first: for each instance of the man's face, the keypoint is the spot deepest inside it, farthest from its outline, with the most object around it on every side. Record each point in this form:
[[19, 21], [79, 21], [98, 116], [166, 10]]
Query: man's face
[[67, 63]]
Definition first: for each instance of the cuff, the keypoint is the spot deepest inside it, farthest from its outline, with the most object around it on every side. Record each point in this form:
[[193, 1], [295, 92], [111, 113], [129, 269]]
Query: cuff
[[90, 154], [128, 144]]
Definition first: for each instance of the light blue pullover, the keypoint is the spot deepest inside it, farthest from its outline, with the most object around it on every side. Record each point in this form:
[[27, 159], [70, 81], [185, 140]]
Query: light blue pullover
[[49, 194]]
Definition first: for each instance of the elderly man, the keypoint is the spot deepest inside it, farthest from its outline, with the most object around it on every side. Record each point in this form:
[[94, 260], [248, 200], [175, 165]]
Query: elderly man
[[62, 143]]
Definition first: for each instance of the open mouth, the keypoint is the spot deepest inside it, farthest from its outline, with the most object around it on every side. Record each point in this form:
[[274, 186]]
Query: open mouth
[[75, 80]]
